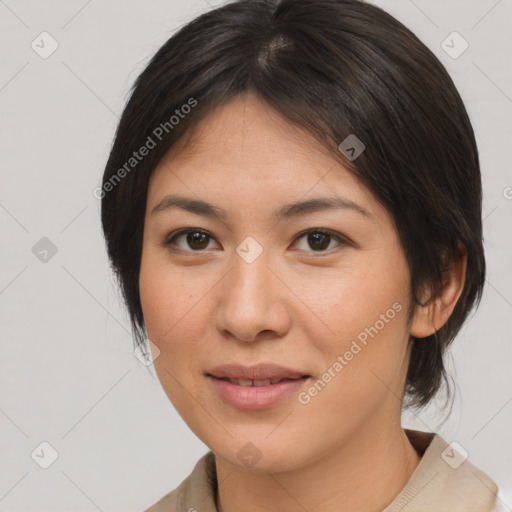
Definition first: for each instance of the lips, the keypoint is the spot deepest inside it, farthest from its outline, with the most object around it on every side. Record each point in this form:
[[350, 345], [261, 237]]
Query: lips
[[255, 375], [256, 387], [255, 382]]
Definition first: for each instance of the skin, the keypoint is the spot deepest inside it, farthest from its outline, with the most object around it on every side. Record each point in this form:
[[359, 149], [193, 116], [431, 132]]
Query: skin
[[345, 450]]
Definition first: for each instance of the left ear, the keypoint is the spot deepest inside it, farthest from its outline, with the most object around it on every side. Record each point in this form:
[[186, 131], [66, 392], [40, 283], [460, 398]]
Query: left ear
[[430, 317]]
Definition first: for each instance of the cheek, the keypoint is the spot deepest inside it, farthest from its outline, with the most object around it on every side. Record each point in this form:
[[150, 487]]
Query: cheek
[[174, 314], [174, 303], [164, 294], [362, 375], [345, 302], [363, 349]]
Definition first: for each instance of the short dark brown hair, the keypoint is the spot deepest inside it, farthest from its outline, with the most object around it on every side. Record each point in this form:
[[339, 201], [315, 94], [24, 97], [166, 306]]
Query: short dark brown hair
[[334, 68]]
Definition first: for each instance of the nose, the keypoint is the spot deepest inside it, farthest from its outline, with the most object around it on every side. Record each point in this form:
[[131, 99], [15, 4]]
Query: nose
[[252, 302]]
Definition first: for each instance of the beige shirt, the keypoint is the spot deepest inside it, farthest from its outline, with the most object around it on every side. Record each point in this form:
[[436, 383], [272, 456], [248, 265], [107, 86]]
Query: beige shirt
[[442, 481]]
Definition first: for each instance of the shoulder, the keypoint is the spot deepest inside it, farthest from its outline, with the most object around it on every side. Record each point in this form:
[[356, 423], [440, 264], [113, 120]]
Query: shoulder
[[196, 491], [445, 480]]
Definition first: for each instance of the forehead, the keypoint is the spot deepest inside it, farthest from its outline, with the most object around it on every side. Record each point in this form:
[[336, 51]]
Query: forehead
[[246, 151], [247, 126]]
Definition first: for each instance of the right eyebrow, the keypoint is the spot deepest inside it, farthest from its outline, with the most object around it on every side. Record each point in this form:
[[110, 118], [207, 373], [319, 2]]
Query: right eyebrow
[[196, 206]]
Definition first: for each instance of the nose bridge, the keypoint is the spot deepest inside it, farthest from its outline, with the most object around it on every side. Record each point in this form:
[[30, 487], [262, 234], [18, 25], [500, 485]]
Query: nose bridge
[[251, 279], [252, 298]]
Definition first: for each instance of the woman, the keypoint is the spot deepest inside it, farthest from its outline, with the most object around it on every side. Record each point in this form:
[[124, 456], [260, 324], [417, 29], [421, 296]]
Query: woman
[[292, 205]]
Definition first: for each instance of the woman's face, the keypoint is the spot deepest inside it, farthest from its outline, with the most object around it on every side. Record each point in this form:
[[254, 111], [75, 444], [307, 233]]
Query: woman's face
[[260, 285]]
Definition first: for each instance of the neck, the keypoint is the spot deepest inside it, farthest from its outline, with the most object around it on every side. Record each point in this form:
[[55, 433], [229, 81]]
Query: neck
[[365, 475]]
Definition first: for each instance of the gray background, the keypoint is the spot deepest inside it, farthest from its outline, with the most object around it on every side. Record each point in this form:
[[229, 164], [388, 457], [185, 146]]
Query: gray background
[[68, 374]]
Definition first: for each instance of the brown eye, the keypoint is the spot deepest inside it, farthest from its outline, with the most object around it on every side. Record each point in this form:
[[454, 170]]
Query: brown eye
[[189, 240], [318, 240], [197, 240]]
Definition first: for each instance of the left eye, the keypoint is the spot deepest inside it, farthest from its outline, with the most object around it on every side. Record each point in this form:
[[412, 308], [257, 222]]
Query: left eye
[[319, 239]]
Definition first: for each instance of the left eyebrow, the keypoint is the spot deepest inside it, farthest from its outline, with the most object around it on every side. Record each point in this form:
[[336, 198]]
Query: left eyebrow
[[319, 204], [201, 207]]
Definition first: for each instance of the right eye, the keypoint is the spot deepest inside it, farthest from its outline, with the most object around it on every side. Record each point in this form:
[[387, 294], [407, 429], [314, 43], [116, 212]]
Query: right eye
[[196, 239]]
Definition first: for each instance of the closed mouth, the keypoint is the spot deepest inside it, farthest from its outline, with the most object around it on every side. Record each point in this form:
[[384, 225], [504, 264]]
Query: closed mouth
[[258, 382]]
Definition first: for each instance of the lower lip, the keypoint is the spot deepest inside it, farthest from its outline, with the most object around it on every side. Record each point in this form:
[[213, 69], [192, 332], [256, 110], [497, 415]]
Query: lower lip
[[255, 397]]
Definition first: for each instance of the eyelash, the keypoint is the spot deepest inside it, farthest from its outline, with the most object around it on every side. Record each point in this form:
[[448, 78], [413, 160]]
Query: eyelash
[[170, 240]]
